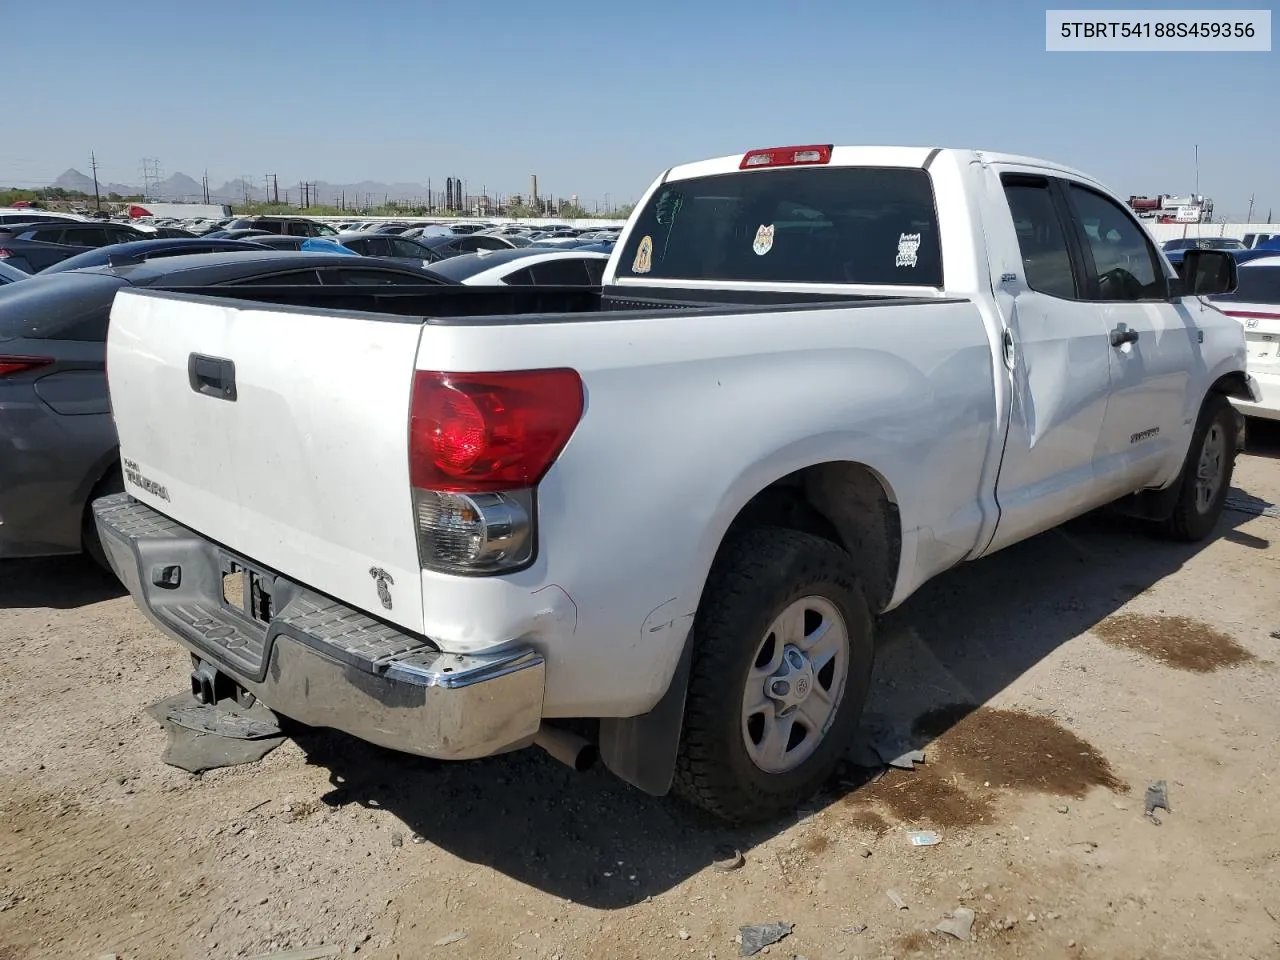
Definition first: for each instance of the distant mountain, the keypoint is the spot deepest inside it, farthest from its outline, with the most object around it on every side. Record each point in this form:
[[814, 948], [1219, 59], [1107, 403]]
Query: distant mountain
[[180, 187], [73, 179], [234, 191]]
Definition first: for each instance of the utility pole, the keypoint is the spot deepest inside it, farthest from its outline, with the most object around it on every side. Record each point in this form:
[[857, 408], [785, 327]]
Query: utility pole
[[1249, 216], [275, 188], [93, 163], [205, 184]]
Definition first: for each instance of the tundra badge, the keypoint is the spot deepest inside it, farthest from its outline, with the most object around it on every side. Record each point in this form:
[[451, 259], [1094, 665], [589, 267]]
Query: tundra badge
[[384, 582]]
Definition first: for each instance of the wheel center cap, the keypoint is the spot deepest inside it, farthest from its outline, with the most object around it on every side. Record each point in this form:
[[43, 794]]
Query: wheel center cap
[[792, 683]]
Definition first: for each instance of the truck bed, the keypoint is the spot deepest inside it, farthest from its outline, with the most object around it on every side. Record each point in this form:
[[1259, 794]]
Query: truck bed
[[496, 305]]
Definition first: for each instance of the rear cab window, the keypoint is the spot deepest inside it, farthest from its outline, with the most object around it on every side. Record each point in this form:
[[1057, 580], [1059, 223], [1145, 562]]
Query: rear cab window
[[830, 225]]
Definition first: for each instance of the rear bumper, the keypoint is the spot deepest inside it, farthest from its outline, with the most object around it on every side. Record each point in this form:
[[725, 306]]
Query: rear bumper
[[1266, 388], [318, 661]]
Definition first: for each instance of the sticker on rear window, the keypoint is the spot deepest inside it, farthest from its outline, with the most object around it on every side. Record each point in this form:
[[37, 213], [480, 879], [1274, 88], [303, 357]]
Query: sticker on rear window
[[644, 256], [763, 242], [908, 250]]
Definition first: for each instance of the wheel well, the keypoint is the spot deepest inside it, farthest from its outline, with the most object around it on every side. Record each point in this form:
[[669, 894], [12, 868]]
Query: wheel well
[[1233, 384], [111, 481], [843, 502]]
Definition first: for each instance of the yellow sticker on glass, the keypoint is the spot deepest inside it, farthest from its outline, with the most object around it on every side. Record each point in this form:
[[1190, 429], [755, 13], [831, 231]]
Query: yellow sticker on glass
[[644, 256]]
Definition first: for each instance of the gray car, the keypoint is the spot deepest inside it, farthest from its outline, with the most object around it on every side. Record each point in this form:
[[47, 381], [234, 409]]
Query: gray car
[[58, 448]]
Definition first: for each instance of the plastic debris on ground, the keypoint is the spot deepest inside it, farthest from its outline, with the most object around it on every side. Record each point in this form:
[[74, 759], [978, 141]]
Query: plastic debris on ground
[[1157, 798], [958, 924], [756, 937], [896, 899], [923, 838], [449, 938], [206, 737]]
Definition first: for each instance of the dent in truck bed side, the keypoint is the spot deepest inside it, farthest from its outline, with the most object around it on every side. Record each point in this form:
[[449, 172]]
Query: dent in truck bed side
[[905, 388]]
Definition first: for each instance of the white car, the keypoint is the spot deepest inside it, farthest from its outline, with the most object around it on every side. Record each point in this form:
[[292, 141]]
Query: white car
[[523, 266], [35, 215], [452, 521], [1256, 304]]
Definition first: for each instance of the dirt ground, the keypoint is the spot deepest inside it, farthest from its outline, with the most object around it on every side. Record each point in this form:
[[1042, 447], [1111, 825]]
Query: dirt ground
[[1049, 685]]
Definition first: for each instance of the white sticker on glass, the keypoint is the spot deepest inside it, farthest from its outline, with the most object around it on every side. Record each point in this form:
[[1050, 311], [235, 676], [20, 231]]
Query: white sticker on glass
[[763, 242], [908, 250]]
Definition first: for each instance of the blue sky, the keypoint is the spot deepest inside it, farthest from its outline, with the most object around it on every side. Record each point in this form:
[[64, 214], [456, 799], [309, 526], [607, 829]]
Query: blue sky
[[599, 97]]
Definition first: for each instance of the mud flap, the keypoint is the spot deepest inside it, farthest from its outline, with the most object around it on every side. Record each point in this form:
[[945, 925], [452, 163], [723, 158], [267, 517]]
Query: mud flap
[[642, 750]]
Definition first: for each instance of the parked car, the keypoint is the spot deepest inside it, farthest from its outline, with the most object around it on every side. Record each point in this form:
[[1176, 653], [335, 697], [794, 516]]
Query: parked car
[[713, 620], [31, 215], [60, 443], [391, 247], [525, 266], [34, 246], [452, 245], [238, 234], [1255, 304], [121, 253], [9, 274], [291, 226], [1176, 249], [306, 244], [172, 233]]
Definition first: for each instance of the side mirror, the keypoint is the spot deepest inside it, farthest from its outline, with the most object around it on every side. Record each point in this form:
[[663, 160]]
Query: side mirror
[[1208, 272]]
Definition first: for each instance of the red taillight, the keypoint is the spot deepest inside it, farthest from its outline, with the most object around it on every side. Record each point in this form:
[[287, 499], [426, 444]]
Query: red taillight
[[484, 432], [5, 253], [11, 365], [786, 156]]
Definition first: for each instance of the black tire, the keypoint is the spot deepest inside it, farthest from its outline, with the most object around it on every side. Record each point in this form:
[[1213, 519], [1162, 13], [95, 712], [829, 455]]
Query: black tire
[[113, 482], [755, 578], [1194, 518]]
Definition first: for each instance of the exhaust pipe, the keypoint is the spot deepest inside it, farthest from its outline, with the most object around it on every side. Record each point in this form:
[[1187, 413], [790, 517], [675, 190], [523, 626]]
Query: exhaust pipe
[[569, 748]]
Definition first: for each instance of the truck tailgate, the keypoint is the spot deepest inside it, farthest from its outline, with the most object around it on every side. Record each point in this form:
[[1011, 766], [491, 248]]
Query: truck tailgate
[[304, 468]]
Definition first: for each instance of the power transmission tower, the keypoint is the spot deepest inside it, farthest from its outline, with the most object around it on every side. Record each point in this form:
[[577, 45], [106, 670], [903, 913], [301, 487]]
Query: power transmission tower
[[204, 182], [275, 188], [150, 176], [92, 163]]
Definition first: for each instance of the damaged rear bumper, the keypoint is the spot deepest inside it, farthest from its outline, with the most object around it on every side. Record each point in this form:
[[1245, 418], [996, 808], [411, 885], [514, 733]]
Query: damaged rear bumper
[[316, 660]]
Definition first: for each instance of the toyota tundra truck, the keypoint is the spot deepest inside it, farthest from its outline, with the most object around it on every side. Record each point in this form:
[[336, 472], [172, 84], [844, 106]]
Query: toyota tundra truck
[[658, 519]]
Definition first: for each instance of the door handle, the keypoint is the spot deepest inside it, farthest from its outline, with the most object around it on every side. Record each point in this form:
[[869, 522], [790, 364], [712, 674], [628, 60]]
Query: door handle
[[212, 376], [1122, 335]]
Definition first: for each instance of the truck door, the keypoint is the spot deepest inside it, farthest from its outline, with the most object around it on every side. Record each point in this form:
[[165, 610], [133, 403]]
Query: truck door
[[1058, 350], [1152, 349]]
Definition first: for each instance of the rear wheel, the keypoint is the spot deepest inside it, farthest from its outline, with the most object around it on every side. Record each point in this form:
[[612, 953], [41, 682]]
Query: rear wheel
[[780, 673], [1206, 475]]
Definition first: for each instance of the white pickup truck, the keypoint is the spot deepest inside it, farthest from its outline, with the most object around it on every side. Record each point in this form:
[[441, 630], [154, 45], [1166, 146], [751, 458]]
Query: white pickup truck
[[661, 516]]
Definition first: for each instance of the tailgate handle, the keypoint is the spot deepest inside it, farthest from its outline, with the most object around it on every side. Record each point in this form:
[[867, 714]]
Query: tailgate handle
[[212, 376]]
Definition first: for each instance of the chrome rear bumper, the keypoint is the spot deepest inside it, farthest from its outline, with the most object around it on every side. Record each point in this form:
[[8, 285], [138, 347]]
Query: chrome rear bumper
[[316, 660]]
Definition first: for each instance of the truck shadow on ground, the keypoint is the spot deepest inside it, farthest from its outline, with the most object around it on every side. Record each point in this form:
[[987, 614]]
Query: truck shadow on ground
[[596, 841], [61, 583]]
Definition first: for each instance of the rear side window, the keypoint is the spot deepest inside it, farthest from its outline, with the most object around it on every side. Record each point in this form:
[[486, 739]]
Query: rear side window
[[60, 307], [833, 225], [93, 237], [1042, 240], [561, 273]]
